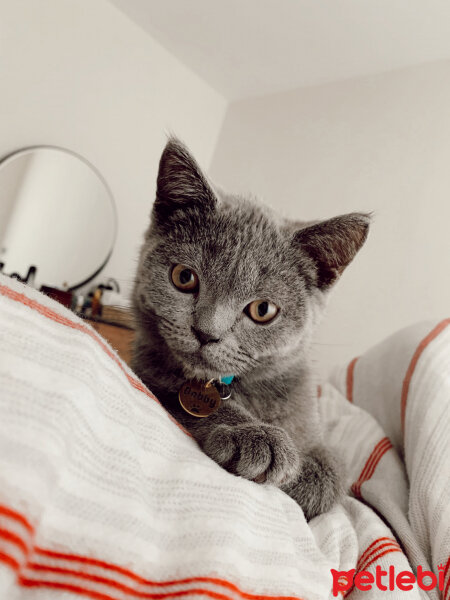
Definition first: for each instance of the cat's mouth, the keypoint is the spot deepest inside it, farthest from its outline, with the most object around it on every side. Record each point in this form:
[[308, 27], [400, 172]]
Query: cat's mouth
[[199, 366], [205, 364]]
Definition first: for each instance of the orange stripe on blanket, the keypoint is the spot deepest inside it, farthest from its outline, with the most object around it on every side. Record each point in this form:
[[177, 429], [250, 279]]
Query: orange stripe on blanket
[[374, 547], [54, 316], [15, 516], [9, 560], [120, 587], [13, 538], [113, 583], [412, 365], [350, 379], [84, 591], [377, 549], [380, 449], [374, 560], [369, 468], [378, 556], [138, 579], [55, 585]]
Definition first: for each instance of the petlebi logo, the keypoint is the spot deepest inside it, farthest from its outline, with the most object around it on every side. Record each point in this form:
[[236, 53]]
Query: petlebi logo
[[390, 580]]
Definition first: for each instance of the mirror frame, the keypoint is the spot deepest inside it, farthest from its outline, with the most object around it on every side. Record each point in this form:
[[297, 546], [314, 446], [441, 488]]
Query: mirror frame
[[12, 155]]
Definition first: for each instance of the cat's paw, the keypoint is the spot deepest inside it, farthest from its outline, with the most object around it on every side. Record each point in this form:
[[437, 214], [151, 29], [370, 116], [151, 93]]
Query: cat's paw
[[319, 485], [259, 452]]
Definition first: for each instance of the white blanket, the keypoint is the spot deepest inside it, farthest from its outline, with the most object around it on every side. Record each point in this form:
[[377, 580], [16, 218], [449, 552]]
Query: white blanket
[[103, 495]]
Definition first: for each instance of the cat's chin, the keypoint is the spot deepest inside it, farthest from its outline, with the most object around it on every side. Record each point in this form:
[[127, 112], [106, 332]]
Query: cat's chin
[[196, 366]]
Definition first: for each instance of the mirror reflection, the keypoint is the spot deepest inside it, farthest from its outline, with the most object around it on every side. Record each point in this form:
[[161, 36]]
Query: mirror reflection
[[57, 218]]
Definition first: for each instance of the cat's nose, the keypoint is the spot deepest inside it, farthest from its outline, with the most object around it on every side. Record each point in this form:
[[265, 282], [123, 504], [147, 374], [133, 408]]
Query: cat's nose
[[204, 337]]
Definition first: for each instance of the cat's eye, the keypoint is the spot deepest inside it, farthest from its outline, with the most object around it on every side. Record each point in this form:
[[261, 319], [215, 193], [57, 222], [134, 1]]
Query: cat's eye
[[184, 278], [261, 311]]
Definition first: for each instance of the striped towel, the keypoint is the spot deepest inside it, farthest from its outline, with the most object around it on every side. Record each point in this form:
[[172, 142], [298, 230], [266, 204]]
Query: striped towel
[[104, 496]]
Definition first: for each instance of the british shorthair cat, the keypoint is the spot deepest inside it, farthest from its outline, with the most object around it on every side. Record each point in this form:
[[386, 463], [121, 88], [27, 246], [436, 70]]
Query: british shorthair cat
[[227, 290]]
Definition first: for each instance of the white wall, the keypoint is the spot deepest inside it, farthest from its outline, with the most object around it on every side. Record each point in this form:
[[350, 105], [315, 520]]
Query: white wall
[[83, 76], [380, 143]]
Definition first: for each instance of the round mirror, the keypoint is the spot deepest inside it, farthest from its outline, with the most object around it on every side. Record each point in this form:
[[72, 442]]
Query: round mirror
[[57, 216]]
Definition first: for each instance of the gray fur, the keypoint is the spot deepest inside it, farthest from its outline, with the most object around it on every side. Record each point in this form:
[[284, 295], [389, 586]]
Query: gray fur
[[269, 430]]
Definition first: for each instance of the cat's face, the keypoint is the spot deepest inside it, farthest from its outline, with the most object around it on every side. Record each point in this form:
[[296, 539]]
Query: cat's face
[[227, 291], [233, 289]]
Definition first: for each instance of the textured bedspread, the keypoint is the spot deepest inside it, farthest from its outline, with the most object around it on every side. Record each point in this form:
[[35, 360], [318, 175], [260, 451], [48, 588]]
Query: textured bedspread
[[102, 495]]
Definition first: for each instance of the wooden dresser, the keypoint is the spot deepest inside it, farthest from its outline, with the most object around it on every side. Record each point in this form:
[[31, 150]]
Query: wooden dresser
[[117, 328], [120, 338]]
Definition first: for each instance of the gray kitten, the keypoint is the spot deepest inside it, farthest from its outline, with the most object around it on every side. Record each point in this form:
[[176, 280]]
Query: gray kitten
[[225, 287]]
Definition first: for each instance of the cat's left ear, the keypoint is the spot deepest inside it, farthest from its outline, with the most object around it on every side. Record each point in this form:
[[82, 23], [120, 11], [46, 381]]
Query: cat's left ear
[[181, 185], [331, 245]]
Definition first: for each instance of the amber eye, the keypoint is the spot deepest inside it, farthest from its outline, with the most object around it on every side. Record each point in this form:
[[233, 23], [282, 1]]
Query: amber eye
[[184, 278], [261, 311]]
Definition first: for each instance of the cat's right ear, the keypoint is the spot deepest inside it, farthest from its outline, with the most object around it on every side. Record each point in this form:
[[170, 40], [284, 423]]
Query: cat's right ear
[[181, 186]]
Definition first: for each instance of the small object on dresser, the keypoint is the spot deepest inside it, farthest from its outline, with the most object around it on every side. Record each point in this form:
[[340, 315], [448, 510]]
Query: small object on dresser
[[61, 296]]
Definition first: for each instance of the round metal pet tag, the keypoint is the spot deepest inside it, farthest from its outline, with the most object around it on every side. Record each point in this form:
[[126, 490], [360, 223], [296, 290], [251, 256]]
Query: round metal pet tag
[[198, 398]]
